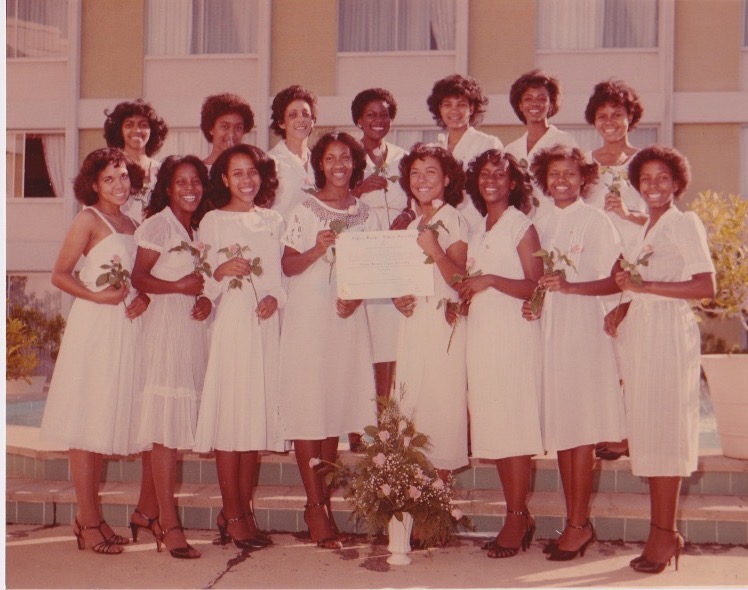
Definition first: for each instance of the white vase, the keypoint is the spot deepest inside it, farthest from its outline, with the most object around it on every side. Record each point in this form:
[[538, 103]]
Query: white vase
[[727, 376], [399, 533]]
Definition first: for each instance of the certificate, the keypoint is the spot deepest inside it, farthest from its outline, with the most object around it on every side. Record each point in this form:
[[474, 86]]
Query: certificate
[[378, 264]]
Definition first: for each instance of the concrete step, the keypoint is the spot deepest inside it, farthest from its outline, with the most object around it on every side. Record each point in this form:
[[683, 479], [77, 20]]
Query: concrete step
[[616, 516]]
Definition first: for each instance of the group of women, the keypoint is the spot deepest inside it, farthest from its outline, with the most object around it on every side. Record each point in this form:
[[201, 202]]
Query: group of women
[[573, 271]]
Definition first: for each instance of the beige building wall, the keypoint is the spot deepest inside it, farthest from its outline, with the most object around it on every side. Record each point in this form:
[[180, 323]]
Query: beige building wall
[[112, 48], [90, 140], [706, 37], [502, 42], [304, 45]]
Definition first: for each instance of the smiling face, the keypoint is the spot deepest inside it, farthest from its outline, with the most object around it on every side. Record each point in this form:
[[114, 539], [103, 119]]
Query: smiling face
[[564, 182], [297, 120], [427, 180], [136, 131], [112, 186], [243, 181], [455, 112], [495, 183], [185, 190], [227, 131], [657, 185], [535, 104], [375, 120], [337, 165], [612, 122]]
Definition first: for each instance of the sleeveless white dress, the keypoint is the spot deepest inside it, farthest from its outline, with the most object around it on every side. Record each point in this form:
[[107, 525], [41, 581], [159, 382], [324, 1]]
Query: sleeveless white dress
[[90, 397]]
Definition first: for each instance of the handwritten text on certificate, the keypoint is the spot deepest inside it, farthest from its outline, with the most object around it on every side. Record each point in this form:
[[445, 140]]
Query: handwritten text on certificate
[[378, 264]]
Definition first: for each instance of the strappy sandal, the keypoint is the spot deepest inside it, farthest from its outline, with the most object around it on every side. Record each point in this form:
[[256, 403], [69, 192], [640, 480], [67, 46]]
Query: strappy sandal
[[186, 552], [329, 539], [499, 551], [106, 546], [227, 537], [643, 565], [558, 554], [135, 527]]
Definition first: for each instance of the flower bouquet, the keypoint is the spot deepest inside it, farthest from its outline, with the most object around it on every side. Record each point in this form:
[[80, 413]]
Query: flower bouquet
[[394, 477]]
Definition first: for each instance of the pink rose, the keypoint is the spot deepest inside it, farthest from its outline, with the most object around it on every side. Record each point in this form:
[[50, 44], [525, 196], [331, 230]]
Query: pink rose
[[314, 461], [379, 459], [386, 489], [353, 209], [457, 513], [383, 435], [648, 248], [406, 441], [577, 248], [402, 425], [436, 203], [470, 263], [414, 492], [437, 484], [200, 245], [116, 259]]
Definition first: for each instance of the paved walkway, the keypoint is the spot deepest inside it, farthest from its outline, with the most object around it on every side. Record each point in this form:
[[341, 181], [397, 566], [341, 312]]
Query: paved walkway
[[39, 557]]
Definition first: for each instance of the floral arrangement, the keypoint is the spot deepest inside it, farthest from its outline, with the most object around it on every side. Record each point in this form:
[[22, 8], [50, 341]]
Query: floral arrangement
[[394, 476], [550, 257], [255, 268], [199, 252]]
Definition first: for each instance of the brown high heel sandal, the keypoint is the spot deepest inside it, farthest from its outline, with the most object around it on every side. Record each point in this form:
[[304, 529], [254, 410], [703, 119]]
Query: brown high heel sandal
[[499, 551], [645, 566], [327, 540], [114, 538], [106, 546], [558, 554], [135, 527], [227, 537], [185, 552]]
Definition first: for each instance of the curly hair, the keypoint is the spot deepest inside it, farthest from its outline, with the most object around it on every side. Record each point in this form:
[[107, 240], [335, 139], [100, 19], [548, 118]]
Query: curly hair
[[588, 168], [364, 97], [265, 165], [519, 196], [284, 98], [457, 85], [218, 105], [92, 166], [678, 164], [451, 168], [160, 195], [617, 93], [357, 152], [115, 119], [535, 79]]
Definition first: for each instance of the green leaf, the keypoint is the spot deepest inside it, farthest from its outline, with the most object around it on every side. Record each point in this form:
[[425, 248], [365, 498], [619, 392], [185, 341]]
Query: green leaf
[[102, 279]]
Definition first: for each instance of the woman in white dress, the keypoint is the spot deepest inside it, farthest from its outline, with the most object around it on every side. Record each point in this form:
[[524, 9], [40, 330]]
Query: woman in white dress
[[137, 130], [614, 109], [239, 405], [293, 115], [170, 264], [457, 104], [224, 120], [504, 372], [431, 377], [660, 345], [89, 404], [581, 401], [535, 97], [326, 377], [373, 111]]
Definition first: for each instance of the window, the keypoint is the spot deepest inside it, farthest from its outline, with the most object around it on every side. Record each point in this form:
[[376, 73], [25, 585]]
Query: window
[[196, 27], [35, 165], [597, 24], [745, 23], [36, 28], [396, 25]]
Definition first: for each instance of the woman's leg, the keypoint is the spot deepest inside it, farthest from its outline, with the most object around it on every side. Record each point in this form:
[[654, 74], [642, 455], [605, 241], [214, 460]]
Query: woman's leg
[[384, 377], [579, 463], [146, 512], [228, 465], [319, 520], [663, 497], [248, 464], [514, 473], [164, 466]]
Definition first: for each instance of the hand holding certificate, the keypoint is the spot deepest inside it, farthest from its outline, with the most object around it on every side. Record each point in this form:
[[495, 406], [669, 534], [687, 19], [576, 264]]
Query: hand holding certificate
[[379, 264]]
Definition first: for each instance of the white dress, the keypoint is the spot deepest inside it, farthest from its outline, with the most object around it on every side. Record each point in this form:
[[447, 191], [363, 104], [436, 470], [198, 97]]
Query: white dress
[[660, 351], [503, 350], [89, 406], [581, 402], [518, 148], [239, 406], [135, 206], [383, 318], [326, 379], [473, 143], [432, 381], [175, 346], [293, 178]]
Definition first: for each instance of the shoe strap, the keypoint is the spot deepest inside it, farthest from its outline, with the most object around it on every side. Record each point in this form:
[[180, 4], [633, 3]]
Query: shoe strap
[[165, 532], [229, 521], [316, 505], [148, 518], [573, 526], [518, 512], [664, 530]]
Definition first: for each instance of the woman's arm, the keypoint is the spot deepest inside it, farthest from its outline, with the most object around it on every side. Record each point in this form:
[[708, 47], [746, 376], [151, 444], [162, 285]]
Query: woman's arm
[[699, 286], [143, 280], [450, 263], [294, 262]]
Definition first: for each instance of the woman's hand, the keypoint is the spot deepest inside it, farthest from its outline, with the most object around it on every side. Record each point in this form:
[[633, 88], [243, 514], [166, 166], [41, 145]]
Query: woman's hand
[[266, 307], [346, 307], [371, 183], [469, 287], [624, 282], [201, 309], [554, 282], [405, 304], [137, 306], [527, 311], [191, 284], [613, 319], [402, 221], [428, 240], [614, 203], [234, 267], [325, 239], [111, 295]]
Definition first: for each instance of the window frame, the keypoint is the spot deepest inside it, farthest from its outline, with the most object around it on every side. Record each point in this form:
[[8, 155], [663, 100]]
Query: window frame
[[10, 174], [26, 59]]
